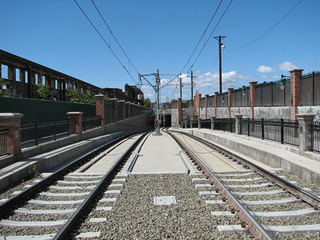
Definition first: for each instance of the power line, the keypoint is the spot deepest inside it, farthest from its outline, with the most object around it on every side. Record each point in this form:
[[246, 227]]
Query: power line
[[204, 33], [105, 41], [114, 36], [268, 30], [210, 36]]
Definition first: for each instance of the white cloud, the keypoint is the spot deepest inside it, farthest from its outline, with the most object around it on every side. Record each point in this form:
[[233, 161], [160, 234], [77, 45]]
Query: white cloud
[[265, 69], [270, 76], [287, 66], [211, 79]]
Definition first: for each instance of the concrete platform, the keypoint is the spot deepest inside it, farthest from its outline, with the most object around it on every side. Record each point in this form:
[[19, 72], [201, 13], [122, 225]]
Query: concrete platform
[[160, 154], [273, 154]]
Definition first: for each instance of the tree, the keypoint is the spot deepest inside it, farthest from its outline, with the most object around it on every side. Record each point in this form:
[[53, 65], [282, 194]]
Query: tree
[[76, 97], [45, 92], [147, 102]]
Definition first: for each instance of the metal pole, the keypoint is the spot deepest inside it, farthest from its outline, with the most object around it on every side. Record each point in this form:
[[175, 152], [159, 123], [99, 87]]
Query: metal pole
[[158, 99], [180, 80], [220, 67], [191, 85]]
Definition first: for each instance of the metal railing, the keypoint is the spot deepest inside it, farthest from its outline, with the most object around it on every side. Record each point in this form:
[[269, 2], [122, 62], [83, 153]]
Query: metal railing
[[44, 131], [3, 140], [225, 124], [91, 122], [315, 137], [280, 130]]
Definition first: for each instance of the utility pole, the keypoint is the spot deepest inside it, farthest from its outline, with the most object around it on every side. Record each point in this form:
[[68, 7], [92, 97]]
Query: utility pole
[[191, 85], [221, 46], [158, 99], [180, 80]]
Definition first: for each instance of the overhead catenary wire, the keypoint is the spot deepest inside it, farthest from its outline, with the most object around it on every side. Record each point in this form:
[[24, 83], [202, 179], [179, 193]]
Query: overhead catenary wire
[[114, 54], [268, 30], [204, 43], [114, 36]]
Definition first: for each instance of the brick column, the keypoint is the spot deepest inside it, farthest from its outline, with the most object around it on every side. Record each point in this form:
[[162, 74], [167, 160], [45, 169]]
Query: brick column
[[100, 108], [122, 102], [127, 106], [215, 103], [77, 127], [180, 109], [238, 123], [206, 101], [12, 122], [295, 91], [230, 90], [305, 120], [253, 85], [114, 103]]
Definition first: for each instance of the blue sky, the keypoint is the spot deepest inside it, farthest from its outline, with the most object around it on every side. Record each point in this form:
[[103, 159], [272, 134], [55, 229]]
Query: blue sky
[[161, 34]]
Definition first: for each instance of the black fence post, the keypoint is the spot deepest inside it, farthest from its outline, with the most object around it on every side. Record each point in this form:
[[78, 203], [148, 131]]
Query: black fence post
[[262, 128], [282, 135], [84, 124], [248, 127], [68, 127]]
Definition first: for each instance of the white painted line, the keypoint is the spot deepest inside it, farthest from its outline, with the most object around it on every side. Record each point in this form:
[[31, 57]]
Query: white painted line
[[51, 211], [97, 220], [9, 223], [41, 202], [89, 235]]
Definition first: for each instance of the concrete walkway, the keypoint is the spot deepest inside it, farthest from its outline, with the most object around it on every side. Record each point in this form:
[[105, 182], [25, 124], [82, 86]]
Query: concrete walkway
[[268, 152]]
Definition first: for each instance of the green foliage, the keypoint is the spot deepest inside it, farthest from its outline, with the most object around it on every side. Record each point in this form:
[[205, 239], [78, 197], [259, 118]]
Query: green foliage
[[147, 102], [106, 98], [76, 97], [8, 92], [45, 92]]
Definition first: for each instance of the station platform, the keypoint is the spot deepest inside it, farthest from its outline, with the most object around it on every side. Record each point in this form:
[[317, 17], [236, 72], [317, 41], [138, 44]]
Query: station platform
[[273, 154], [160, 154]]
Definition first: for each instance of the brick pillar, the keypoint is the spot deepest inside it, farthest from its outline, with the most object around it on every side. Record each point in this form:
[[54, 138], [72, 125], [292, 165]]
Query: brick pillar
[[127, 106], [295, 91], [77, 127], [215, 103], [238, 123], [253, 85], [305, 120], [230, 90], [122, 102], [100, 108], [114, 104], [206, 102], [180, 109], [12, 122]]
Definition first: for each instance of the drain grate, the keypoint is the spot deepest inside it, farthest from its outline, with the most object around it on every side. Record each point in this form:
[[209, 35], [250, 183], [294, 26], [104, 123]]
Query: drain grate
[[164, 200]]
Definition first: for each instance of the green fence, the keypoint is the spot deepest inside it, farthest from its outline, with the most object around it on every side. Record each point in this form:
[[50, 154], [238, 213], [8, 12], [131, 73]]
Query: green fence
[[43, 110]]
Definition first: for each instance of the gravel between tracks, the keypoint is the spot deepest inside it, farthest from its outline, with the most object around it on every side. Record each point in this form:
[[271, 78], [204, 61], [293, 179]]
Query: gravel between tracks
[[134, 215]]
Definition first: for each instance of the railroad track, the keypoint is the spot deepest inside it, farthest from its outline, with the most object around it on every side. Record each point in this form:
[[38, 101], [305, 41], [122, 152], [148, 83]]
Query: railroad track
[[269, 206], [54, 205]]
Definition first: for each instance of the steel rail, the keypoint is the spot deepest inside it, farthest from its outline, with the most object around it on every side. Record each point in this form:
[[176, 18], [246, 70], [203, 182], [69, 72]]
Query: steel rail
[[248, 221], [27, 194], [83, 210], [300, 193]]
